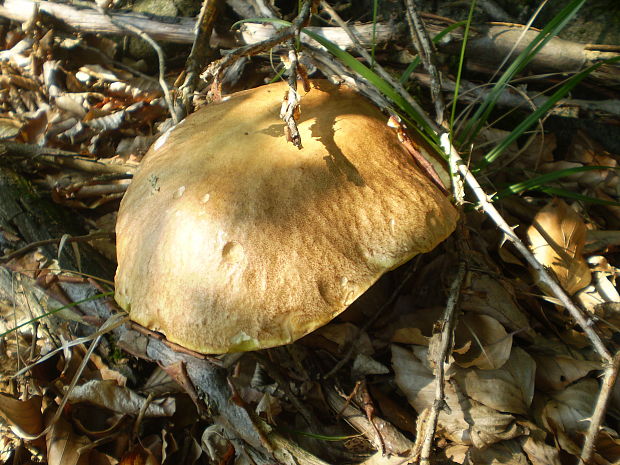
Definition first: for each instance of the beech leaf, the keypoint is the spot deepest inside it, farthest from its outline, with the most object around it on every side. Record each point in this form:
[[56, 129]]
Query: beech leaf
[[557, 237]]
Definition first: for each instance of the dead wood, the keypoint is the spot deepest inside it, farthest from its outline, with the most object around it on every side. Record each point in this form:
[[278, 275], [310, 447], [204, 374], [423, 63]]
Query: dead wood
[[485, 50]]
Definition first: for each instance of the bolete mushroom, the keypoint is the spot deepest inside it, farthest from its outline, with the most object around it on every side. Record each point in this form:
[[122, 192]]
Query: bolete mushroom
[[231, 239]]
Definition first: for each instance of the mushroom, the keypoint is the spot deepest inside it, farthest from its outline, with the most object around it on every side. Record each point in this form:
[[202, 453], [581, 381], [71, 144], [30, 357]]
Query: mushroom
[[231, 239]]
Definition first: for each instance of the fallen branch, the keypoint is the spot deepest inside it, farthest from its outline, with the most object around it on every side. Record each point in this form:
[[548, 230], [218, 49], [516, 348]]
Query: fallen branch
[[491, 42]]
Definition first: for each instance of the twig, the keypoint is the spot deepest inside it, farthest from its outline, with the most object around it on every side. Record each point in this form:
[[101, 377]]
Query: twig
[[395, 442], [274, 372], [424, 46], [378, 68], [160, 58], [200, 48], [544, 276], [140, 417], [448, 323], [34, 245], [289, 112], [215, 69], [609, 380]]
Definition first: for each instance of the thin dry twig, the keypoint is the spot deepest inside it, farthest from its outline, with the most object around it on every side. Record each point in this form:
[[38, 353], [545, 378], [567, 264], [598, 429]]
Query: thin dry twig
[[289, 112], [424, 46], [378, 68], [140, 417], [600, 408], [198, 54], [161, 59], [448, 323], [34, 245], [215, 69]]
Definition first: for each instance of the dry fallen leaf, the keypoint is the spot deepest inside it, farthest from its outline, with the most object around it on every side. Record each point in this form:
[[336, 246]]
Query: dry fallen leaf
[[507, 389], [557, 237], [569, 410], [466, 421], [489, 343], [24, 416], [63, 444], [119, 399], [557, 371], [493, 297], [501, 453], [540, 453]]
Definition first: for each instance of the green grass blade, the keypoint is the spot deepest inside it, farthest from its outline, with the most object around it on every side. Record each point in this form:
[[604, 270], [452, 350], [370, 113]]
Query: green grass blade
[[375, 9], [455, 98], [56, 310], [540, 182], [529, 52], [558, 192], [538, 113]]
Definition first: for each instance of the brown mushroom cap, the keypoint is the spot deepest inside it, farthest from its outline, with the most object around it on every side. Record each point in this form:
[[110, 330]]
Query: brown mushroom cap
[[231, 239]]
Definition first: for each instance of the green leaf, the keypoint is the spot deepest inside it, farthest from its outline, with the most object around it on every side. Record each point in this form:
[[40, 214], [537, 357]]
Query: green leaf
[[538, 113], [541, 182], [558, 192], [554, 26]]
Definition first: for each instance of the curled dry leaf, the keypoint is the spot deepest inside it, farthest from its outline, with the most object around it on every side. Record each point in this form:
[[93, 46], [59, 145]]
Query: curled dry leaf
[[410, 336], [557, 237], [507, 389], [489, 343], [215, 444], [9, 128], [139, 455], [344, 334], [608, 445], [23, 416], [466, 421], [108, 394], [602, 290]]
